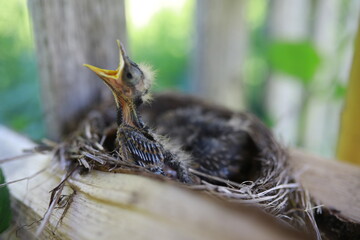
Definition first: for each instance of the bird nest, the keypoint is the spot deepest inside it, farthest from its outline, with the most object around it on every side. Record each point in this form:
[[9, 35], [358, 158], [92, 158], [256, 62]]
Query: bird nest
[[265, 181]]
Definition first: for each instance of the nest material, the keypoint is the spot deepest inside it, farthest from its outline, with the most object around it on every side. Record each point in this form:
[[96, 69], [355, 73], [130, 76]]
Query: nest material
[[272, 189]]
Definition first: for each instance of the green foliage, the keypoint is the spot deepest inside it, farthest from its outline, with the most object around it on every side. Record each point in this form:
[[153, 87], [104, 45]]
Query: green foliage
[[19, 90], [256, 67], [165, 44], [5, 210], [256, 11], [340, 91], [298, 59]]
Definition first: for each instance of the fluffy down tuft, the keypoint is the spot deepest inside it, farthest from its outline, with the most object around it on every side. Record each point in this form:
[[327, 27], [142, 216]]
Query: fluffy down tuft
[[149, 75]]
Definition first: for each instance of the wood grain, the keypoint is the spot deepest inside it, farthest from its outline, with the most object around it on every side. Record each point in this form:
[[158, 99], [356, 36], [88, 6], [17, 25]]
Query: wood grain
[[124, 206], [67, 35], [332, 183], [113, 206]]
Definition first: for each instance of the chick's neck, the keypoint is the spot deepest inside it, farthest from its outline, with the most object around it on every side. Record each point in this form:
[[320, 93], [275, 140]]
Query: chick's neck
[[127, 113]]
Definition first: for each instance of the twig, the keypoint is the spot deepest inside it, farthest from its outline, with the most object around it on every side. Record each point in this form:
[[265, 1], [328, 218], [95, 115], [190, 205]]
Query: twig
[[55, 196], [18, 157], [22, 179]]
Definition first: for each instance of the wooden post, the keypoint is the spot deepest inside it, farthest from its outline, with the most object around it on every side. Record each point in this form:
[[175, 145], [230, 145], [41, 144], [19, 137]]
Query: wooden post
[[67, 35], [321, 118], [281, 86], [220, 50], [324, 111], [348, 149]]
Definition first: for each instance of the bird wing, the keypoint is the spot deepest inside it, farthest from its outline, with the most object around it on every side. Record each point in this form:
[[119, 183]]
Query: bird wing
[[143, 149]]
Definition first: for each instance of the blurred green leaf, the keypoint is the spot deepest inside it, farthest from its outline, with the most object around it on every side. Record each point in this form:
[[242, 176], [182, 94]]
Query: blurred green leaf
[[298, 59], [5, 211], [19, 86], [340, 91]]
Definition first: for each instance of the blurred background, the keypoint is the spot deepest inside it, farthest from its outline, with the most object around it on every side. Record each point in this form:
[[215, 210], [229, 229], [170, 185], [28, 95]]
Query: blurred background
[[287, 61]]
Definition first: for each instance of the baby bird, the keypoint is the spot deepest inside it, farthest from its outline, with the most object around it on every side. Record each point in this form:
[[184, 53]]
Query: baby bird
[[130, 84], [222, 143]]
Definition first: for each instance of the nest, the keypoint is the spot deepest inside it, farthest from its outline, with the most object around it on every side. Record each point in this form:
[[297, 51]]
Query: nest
[[270, 186]]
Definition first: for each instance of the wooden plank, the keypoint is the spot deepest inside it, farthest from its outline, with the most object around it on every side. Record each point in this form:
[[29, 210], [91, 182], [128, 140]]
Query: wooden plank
[[67, 35], [332, 183], [124, 206]]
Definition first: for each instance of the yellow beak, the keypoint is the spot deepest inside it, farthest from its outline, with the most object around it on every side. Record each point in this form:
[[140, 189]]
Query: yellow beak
[[113, 78]]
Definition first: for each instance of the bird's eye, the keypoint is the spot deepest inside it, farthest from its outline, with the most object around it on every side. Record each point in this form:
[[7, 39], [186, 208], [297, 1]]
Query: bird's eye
[[129, 75]]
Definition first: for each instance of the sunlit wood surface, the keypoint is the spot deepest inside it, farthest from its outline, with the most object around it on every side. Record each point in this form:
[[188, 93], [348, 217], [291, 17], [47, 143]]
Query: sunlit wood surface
[[123, 206]]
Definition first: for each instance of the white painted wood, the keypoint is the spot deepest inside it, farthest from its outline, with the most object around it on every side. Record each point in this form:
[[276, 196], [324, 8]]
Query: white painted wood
[[220, 50], [288, 20]]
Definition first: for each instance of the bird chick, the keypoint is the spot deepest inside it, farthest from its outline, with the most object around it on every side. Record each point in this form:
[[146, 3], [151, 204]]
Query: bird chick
[[130, 84]]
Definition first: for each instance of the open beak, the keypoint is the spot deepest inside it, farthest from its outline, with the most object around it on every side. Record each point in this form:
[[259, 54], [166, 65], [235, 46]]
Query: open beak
[[113, 78]]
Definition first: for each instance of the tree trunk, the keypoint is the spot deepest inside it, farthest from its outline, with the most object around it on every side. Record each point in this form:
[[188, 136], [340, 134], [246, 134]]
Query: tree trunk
[[220, 50], [67, 35]]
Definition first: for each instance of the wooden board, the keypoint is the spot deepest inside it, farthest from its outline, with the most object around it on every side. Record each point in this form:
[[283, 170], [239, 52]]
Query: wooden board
[[112, 206], [123, 206], [333, 184]]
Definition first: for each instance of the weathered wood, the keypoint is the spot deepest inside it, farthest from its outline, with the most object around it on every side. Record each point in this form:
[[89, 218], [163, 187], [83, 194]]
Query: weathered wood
[[113, 206], [334, 184], [67, 35], [221, 37], [123, 206]]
